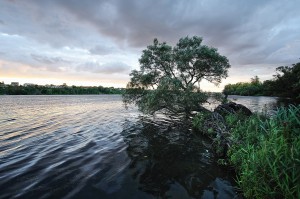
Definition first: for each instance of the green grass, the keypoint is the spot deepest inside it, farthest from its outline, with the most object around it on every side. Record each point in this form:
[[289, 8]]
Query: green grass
[[266, 153]]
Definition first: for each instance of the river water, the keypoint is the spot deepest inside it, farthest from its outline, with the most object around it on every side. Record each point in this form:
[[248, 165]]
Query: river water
[[261, 104], [92, 147]]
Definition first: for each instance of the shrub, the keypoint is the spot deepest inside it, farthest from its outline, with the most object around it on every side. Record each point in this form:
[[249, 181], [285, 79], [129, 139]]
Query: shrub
[[198, 122]]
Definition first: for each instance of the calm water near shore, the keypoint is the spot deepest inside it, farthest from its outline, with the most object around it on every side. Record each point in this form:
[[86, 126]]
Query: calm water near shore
[[92, 147], [255, 103], [258, 103]]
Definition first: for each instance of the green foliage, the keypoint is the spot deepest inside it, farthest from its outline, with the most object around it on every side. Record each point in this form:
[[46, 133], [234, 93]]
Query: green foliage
[[198, 123], [56, 90], [255, 87], [266, 153], [286, 83], [168, 76]]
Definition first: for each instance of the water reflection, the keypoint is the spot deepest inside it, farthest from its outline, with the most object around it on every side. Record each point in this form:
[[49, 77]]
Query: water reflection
[[169, 161]]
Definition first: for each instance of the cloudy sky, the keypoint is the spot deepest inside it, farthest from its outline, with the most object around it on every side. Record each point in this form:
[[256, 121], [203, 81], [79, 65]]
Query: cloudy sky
[[98, 42]]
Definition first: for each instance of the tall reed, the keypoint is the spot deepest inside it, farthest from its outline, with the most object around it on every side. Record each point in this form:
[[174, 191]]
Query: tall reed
[[266, 153]]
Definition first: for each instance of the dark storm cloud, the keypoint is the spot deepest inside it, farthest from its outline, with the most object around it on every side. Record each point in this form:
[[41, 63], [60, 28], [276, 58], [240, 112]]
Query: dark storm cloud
[[221, 22], [247, 32], [46, 22]]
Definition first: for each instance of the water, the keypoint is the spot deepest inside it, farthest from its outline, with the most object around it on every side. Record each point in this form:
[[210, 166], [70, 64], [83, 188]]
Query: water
[[259, 104], [256, 103], [91, 147]]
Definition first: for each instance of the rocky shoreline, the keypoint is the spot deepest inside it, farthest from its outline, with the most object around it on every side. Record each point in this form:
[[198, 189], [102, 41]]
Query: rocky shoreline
[[213, 124]]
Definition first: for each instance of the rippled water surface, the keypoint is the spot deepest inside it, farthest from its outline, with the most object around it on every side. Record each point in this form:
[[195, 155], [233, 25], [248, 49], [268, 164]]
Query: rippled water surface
[[91, 147], [257, 103]]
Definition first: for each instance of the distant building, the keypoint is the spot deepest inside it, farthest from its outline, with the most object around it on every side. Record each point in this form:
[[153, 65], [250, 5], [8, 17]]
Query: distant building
[[14, 83], [52, 86], [29, 84]]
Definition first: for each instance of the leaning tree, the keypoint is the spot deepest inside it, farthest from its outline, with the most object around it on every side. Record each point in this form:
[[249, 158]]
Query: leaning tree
[[169, 77]]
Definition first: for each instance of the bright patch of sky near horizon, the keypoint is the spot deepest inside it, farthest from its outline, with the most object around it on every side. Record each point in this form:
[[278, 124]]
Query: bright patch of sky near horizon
[[99, 42]]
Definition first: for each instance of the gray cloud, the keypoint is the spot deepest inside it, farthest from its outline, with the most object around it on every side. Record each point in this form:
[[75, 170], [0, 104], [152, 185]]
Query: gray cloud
[[51, 64], [101, 50], [48, 60], [250, 33], [107, 68]]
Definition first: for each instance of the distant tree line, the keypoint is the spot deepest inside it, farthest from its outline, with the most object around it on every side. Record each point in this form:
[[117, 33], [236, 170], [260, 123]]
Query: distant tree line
[[286, 83], [57, 90]]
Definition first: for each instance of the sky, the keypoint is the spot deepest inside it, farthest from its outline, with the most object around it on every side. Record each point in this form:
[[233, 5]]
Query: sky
[[98, 42]]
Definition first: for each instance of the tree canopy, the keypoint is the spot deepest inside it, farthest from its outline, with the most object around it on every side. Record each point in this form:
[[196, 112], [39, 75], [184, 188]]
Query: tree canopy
[[286, 83], [169, 77]]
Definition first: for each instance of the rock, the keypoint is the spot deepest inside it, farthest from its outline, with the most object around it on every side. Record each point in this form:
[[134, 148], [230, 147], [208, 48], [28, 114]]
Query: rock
[[243, 110], [221, 142], [215, 126], [232, 108]]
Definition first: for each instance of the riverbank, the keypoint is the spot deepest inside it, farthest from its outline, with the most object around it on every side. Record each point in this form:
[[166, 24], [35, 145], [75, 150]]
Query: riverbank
[[264, 150]]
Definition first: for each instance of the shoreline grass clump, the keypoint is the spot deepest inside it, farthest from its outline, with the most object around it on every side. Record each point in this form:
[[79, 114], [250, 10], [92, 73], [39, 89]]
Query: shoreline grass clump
[[266, 153]]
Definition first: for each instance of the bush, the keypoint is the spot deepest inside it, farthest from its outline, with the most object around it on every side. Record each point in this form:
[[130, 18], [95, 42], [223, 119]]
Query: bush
[[266, 154], [198, 122]]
